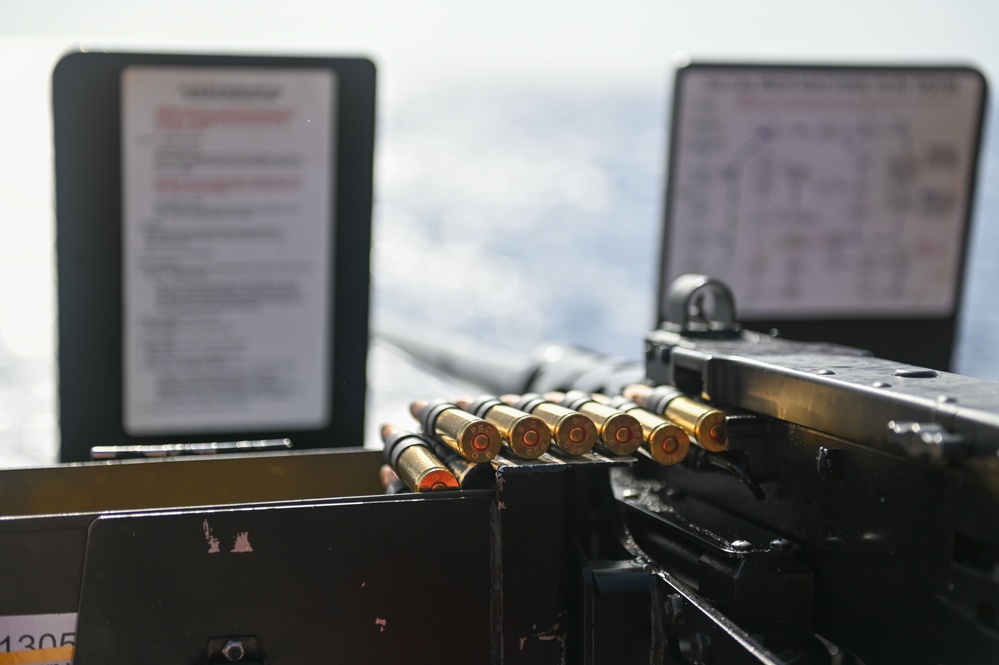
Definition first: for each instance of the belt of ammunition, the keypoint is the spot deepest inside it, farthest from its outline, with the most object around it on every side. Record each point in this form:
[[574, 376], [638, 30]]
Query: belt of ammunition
[[473, 438], [666, 442], [527, 436], [413, 461], [704, 423], [572, 432], [620, 433]]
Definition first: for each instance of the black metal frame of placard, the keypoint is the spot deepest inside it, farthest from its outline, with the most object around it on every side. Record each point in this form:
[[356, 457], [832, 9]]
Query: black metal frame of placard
[[87, 99], [912, 338]]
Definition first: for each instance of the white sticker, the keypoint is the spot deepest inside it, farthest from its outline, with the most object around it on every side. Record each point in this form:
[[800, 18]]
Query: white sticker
[[228, 199], [817, 192], [37, 639]]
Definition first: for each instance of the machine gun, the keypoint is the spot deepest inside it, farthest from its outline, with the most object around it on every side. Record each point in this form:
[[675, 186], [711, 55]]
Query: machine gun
[[852, 518]]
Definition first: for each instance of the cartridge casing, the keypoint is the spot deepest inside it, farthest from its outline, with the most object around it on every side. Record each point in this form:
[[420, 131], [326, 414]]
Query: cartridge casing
[[666, 442], [470, 476], [572, 432], [527, 436], [410, 457], [619, 433], [705, 424], [473, 438], [423, 472]]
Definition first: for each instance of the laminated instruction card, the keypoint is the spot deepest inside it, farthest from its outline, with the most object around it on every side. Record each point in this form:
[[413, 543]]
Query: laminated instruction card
[[227, 247]]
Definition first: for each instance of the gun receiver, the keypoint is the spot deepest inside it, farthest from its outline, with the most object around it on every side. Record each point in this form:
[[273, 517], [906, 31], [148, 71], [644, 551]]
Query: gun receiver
[[851, 516]]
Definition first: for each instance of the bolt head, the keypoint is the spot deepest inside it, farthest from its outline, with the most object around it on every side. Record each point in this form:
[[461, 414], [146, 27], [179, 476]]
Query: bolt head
[[234, 651]]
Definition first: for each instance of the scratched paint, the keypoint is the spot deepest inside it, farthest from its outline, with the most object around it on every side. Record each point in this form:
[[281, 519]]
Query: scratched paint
[[213, 542], [242, 543]]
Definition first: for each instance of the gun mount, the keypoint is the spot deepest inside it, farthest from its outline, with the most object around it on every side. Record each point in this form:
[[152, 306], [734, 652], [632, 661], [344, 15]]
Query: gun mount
[[856, 503], [845, 514]]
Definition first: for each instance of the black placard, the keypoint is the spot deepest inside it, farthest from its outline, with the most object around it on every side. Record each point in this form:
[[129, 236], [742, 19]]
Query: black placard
[[214, 171], [834, 200]]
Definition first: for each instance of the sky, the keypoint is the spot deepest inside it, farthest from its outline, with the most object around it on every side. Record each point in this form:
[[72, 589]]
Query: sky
[[626, 42]]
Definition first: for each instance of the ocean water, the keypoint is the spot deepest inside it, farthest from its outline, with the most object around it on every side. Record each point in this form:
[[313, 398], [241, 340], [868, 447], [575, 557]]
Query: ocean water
[[515, 214], [523, 215]]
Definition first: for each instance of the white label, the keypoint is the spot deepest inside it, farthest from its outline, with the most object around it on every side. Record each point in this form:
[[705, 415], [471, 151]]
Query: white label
[[37, 639], [823, 192], [227, 248]]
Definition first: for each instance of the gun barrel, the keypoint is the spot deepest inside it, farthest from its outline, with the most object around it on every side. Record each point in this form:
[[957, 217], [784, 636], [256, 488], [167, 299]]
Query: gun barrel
[[552, 367]]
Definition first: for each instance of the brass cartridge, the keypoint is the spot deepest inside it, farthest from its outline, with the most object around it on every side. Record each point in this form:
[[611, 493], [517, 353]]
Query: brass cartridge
[[411, 459], [666, 442], [527, 436], [705, 424], [620, 433], [470, 476], [572, 432], [473, 438]]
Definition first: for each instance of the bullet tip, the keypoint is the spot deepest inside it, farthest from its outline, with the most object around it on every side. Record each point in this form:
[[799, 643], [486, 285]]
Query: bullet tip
[[463, 403], [636, 391], [416, 407], [554, 396], [510, 399], [387, 430], [387, 475]]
